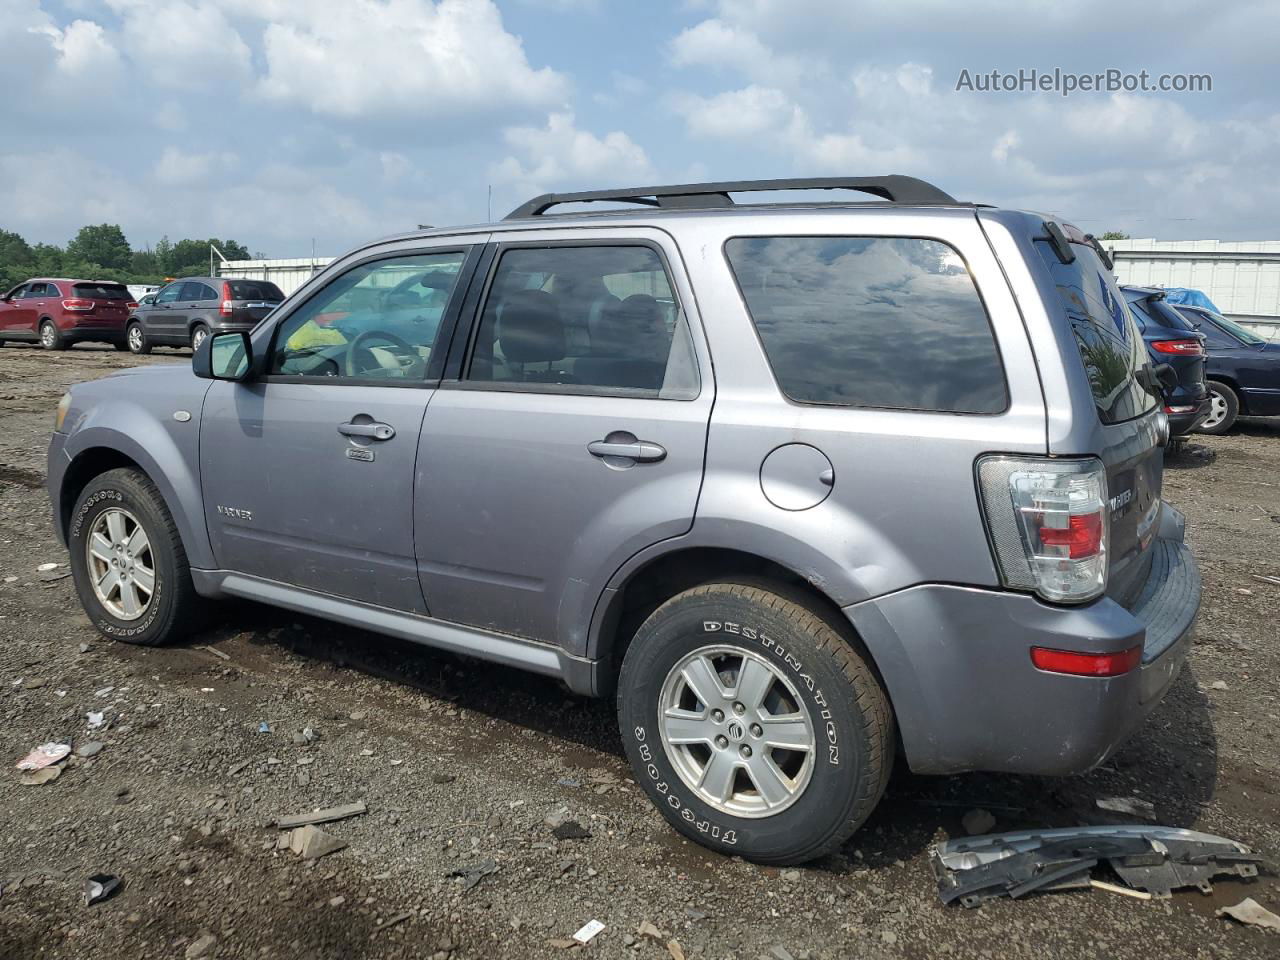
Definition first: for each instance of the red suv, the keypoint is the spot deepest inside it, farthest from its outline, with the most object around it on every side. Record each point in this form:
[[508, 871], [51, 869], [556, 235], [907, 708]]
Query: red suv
[[57, 313]]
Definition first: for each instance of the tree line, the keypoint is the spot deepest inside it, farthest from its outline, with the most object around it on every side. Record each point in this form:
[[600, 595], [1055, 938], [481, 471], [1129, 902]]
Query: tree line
[[102, 252]]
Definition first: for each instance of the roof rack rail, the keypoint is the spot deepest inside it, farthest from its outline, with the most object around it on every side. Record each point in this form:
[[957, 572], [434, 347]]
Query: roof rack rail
[[894, 188]]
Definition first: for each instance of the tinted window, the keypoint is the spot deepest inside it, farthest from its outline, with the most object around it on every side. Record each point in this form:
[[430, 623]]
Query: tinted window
[[193, 291], [37, 290], [377, 321], [170, 293], [870, 322], [102, 291], [1224, 332], [596, 317], [1106, 334], [255, 290], [18, 292]]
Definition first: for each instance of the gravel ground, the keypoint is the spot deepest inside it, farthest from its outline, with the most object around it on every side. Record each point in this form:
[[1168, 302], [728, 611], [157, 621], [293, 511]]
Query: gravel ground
[[464, 765]]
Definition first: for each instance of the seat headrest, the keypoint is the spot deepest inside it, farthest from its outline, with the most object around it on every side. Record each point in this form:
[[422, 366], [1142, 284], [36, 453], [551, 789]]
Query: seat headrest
[[632, 328], [530, 329]]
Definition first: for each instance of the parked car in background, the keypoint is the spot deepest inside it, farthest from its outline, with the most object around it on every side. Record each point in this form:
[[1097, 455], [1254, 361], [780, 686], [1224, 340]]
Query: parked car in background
[[187, 310], [57, 312], [1171, 339], [913, 505], [1242, 370]]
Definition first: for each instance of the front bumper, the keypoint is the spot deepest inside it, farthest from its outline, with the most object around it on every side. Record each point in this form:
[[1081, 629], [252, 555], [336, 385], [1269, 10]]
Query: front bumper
[[57, 463], [957, 665]]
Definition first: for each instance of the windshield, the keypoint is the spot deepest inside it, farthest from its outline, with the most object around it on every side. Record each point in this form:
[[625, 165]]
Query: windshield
[[1229, 326]]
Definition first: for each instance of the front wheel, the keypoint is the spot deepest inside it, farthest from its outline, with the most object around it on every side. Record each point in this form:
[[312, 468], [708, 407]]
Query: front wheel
[[1224, 407], [755, 726], [51, 337], [136, 338], [128, 562]]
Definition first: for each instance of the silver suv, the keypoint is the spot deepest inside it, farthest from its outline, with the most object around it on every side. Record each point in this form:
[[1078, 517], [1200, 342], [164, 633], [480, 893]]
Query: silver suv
[[801, 485]]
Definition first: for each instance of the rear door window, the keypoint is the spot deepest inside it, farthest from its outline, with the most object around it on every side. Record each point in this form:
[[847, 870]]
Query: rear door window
[[890, 322], [1107, 336]]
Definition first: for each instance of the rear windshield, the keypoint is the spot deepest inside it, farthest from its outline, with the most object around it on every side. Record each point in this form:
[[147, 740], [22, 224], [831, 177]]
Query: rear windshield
[[1231, 327], [890, 322], [255, 290], [1107, 336], [1163, 313], [102, 291]]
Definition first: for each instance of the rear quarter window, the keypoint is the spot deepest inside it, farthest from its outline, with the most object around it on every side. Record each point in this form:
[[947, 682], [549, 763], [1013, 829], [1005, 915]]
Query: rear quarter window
[[1108, 339], [255, 290], [890, 322]]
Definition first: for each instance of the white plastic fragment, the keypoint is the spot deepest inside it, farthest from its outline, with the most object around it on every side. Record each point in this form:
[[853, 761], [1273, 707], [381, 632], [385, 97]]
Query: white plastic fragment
[[588, 931]]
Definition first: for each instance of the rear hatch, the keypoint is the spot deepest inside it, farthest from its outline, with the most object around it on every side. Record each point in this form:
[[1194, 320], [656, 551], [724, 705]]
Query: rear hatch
[[98, 303], [1115, 359], [1174, 340], [252, 300]]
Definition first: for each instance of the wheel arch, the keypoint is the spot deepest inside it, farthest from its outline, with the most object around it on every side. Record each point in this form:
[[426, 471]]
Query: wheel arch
[[1228, 380]]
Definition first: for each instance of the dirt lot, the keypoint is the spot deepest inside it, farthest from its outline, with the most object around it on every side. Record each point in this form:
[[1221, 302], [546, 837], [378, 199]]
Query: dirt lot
[[460, 764]]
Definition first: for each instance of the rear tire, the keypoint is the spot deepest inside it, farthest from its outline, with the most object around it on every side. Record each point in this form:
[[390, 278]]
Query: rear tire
[[136, 340], [778, 805], [112, 509], [198, 333], [1225, 407], [51, 337]]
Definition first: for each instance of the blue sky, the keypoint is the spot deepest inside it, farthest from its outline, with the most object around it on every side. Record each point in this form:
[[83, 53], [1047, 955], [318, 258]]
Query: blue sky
[[279, 121]]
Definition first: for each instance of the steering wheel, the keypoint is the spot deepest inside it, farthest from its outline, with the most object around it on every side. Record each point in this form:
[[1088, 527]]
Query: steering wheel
[[398, 345]]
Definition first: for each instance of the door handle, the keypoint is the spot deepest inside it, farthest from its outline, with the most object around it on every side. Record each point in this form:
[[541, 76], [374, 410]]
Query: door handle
[[642, 451], [374, 431]]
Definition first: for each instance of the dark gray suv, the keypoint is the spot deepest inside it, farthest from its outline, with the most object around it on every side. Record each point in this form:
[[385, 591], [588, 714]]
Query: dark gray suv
[[184, 312], [800, 485]]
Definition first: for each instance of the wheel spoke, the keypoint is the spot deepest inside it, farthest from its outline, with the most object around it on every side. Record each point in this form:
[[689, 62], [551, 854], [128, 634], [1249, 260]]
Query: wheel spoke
[[754, 683], [788, 733], [717, 775], [115, 527], [145, 578], [773, 785], [100, 548], [686, 726], [129, 598], [705, 683], [137, 541], [109, 580]]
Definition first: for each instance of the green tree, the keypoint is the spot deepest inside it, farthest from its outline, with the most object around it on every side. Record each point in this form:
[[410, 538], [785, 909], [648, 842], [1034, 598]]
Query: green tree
[[17, 261], [1114, 235], [103, 244], [191, 257]]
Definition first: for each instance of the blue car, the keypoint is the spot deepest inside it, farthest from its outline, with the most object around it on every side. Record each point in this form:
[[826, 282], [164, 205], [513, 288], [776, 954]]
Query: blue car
[[1242, 371], [1171, 339]]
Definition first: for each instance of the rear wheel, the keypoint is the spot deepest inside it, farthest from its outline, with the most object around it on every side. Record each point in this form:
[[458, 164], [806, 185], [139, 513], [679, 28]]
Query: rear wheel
[[756, 728], [1224, 407], [51, 337], [128, 562], [198, 333], [136, 338]]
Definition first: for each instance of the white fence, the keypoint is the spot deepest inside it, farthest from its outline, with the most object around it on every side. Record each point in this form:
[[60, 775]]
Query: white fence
[[1242, 278], [288, 275]]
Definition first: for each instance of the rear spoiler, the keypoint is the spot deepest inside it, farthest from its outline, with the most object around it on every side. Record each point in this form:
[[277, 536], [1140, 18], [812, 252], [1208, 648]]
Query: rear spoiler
[[1062, 236]]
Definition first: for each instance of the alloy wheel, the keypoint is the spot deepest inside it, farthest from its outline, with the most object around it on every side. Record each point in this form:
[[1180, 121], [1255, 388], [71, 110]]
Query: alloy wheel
[[135, 338], [47, 335], [197, 338], [736, 731], [1217, 411], [121, 564]]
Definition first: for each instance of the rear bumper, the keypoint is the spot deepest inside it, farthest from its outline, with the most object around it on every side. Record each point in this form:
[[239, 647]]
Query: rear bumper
[[1181, 424], [957, 665], [102, 332]]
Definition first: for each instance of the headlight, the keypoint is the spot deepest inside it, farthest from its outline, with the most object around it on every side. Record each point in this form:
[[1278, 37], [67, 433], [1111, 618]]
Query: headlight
[[63, 406]]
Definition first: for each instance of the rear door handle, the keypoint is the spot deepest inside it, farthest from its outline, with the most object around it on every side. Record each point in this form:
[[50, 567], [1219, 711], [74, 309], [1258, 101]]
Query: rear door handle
[[374, 431], [641, 451]]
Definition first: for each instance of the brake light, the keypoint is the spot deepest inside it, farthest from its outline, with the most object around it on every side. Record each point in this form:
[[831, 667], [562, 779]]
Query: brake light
[[78, 304], [1186, 348], [1180, 409], [131, 305], [1048, 520], [1086, 664], [227, 308]]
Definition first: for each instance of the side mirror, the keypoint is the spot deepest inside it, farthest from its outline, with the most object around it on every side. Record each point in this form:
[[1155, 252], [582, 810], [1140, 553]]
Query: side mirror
[[223, 356]]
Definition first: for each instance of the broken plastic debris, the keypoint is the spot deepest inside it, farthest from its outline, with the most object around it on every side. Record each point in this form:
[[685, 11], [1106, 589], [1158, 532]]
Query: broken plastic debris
[[44, 755], [46, 567], [264, 727], [1253, 913], [312, 843], [1130, 806], [474, 873], [1155, 859], [322, 816], [95, 719], [35, 778], [99, 887], [588, 931]]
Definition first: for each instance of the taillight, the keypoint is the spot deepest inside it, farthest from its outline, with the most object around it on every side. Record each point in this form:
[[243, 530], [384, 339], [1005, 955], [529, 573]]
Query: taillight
[[131, 305], [1086, 664], [76, 303], [1186, 348], [227, 308], [1048, 520], [1181, 408]]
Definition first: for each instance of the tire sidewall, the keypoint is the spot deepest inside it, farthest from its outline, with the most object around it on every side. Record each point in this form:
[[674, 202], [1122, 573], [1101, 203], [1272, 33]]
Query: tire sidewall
[[142, 338], [1233, 408], [840, 766], [105, 493]]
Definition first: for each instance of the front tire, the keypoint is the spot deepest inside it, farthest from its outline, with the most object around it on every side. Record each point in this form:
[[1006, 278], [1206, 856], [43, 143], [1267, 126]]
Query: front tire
[[128, 562], [754, 725], [51, 337], [1224, 407], [136, 339]]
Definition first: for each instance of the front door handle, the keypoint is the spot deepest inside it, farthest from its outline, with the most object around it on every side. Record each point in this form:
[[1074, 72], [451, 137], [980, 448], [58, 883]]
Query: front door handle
[[374, 431], [641, 451]]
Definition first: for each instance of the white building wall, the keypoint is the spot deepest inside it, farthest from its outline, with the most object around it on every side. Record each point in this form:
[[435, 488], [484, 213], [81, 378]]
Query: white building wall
[[288, 275]]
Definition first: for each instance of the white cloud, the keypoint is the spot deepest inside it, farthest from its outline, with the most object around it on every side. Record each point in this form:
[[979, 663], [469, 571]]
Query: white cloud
[[748, 112], [559, 153], [401, 58], [178, 167], [187, 46], [715, 43], [394, 165]]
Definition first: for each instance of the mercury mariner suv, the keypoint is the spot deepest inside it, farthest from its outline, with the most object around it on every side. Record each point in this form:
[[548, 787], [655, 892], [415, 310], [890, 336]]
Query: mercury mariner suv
[[802, 485]]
